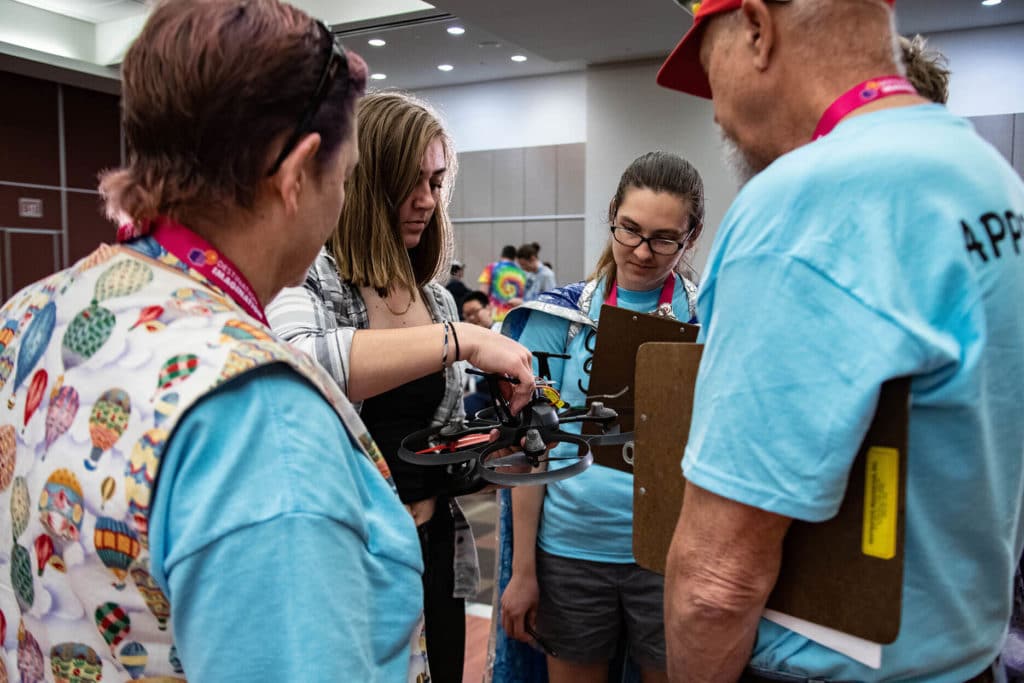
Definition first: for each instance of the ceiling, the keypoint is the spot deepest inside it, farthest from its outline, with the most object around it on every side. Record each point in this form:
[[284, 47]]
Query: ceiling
[[413, 52], [554, 35], [94, 11], [562, 34]]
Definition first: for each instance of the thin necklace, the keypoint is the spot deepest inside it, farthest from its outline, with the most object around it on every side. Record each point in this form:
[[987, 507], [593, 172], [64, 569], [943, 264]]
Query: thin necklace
[[412, 298]]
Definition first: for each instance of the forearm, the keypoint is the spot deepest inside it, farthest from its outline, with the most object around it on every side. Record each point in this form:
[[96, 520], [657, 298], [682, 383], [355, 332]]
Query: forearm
[[381, 360], [527, 503], [705, 641], [722, 565]]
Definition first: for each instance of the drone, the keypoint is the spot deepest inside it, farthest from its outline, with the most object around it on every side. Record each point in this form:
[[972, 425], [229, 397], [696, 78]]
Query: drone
[[471, 453]]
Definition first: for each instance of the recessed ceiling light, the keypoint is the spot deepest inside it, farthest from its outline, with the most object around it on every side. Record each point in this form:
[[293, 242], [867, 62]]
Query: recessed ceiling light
[[445, 67], [378, 77], [518, 58], [990, 3], [456, 30], [377, 42]]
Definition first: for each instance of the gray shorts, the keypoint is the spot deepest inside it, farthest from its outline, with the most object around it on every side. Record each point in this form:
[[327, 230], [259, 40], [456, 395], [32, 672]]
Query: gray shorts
[[587, 608]]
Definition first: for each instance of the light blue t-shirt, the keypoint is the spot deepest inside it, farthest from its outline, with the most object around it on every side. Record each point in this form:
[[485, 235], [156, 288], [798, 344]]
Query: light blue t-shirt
[[588, 516], [890, 247], [284, 553]]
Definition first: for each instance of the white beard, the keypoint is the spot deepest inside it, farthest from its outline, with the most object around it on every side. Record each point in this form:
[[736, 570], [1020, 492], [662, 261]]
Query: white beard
[[739, 165]]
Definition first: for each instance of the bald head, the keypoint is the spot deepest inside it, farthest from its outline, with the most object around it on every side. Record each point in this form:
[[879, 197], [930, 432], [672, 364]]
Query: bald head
[[774, 67]]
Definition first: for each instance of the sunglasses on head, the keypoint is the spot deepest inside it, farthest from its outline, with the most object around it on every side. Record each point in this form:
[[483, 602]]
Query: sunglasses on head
[[335, 63]]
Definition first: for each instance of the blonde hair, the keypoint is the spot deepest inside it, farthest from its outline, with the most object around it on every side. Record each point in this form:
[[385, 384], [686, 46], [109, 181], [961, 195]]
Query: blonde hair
[[927, 69], [395, 130], [658, 172]]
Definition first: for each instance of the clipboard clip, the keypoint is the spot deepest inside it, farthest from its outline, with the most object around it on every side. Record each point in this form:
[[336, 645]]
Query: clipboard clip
[[628, 452]]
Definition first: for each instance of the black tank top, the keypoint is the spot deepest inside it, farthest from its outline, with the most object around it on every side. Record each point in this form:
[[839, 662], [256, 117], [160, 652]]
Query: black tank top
[[395, 414]]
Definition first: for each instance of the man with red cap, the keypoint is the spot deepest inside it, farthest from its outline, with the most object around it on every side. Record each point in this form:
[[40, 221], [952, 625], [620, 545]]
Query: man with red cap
[[876, 236]]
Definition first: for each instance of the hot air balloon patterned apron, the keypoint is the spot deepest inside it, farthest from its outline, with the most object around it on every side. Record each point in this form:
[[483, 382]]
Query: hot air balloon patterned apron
[[97, 363]]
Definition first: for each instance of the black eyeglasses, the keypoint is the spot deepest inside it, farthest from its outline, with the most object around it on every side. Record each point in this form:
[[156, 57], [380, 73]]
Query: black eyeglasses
[[336, 62], [628, 237]]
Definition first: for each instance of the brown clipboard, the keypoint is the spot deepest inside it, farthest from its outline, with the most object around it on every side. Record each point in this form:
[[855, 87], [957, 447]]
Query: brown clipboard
[[620, 334], [825, 576]]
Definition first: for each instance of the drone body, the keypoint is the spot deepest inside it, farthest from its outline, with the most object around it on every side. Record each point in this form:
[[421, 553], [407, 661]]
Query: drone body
[[497, 447]]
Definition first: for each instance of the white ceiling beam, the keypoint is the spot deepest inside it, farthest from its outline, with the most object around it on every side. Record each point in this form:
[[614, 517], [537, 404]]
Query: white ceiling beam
[[43, 31]]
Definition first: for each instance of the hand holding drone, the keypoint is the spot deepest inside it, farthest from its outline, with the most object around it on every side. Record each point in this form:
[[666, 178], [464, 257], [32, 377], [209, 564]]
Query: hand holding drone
[[479, 451]]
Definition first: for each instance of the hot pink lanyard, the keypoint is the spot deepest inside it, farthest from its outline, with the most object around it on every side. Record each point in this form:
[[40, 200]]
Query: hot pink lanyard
[[859, 95], [204, 258], [665, 299]]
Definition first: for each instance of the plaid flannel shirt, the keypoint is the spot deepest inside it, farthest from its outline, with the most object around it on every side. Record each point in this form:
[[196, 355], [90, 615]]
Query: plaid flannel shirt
[[322, 317]]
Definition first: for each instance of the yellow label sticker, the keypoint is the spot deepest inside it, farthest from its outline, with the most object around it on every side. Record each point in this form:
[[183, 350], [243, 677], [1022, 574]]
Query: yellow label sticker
[[881, 499]]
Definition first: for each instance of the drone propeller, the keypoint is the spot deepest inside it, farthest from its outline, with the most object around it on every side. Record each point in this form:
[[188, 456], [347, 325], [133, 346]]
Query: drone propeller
[[430, 447], [473, 451], [496, 470]]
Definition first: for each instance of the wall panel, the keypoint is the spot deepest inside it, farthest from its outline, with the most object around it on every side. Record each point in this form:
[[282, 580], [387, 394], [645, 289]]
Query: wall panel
[[33, 256], [476, 184], [571, 167], [90, 227], [570, 265], [998, 130], [9, 213], [528, 182], [56, 140], [541, 181], [508, 178], [92, 135], [544, 234], [29, 131]]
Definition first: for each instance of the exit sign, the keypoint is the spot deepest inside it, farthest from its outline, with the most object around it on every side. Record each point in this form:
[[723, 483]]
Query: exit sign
[[30, 208]]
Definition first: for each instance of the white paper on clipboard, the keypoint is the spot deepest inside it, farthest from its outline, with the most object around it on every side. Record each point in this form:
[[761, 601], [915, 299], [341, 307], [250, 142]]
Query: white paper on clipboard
[[864, 651]]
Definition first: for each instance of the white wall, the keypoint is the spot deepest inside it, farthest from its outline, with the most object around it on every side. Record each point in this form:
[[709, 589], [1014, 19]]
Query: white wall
[[620, 113], [628, 114], [518, 112], [987, 67], [617, 110]]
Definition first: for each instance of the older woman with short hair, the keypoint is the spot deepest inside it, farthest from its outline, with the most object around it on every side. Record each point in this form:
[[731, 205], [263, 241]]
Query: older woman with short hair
[[192, 497]]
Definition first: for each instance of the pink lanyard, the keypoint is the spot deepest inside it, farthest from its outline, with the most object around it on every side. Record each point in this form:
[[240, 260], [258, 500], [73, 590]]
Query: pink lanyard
[[859, 95], [665, 299], [204, 258]]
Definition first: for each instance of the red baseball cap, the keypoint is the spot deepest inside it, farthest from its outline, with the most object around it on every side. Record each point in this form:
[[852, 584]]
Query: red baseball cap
[[682, 70]]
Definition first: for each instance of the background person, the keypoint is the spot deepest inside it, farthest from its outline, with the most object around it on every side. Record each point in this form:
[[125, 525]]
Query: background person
[[503, 282], [927, 69], [373, 313], [539, 277], [476, 309], [455, 286], [868, 239], [573, 574]]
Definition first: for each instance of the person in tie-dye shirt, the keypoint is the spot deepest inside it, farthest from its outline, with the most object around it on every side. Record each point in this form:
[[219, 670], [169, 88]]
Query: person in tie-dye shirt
[[504, 283]]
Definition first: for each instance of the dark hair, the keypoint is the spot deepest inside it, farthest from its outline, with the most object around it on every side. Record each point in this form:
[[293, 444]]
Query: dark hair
[[658, 172], [475, 295], [508, 252], [528, 251], [210, 89], [456, 268]]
